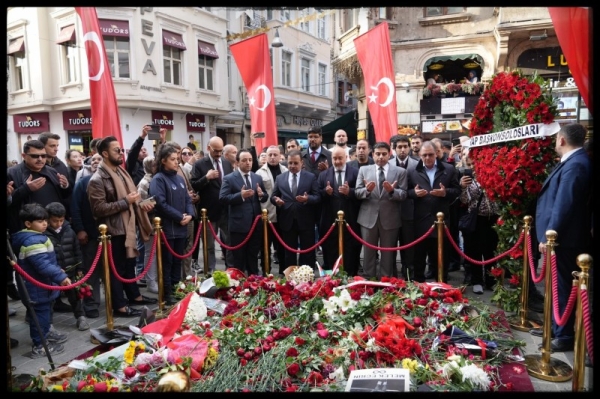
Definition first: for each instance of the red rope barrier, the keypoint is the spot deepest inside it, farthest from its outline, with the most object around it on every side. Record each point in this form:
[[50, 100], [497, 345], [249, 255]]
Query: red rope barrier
[[62, 287], [140, 276], [400, 248], [302, 251], [241, 244], [483, 262], [190, 253], [587, 323], [535, 278], [561, 320]]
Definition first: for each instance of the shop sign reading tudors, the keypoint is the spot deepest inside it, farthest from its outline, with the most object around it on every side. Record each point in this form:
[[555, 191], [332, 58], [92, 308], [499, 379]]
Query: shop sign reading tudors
[[77, 120], [164, 119], [32, 123]]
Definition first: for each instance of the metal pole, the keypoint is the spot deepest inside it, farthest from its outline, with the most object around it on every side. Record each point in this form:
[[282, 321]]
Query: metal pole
[[159, 271], [584, 261], [521, 322], [204, 247], [266, 257], [440, 259], [340, 221], [108, 300]]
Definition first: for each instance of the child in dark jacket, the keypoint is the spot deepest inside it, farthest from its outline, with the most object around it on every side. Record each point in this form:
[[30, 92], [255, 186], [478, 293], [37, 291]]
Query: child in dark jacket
[[68, 255], [38, 260]]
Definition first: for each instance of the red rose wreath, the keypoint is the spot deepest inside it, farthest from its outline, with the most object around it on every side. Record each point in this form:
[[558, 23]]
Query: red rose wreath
[[512, 173]]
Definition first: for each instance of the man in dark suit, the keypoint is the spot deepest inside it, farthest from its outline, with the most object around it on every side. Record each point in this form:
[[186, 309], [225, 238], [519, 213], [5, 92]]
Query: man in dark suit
[[207, 176], [362, 155], [562, 206], [432, 185], [317, 158], [243, 191], [406, 235], [380, 188], [336, 187], [295, 195]]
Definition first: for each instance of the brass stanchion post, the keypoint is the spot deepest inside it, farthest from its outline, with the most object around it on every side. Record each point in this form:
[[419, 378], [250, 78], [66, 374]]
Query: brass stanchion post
[[520, 322], [440, 258], [266, 257], [107, 297], [204, 247], [340, 221], [543, 366], [584, 261], [159, 271]]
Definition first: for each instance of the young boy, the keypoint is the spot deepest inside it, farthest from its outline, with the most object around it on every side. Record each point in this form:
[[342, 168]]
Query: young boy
[[37, 259], [68, 255]]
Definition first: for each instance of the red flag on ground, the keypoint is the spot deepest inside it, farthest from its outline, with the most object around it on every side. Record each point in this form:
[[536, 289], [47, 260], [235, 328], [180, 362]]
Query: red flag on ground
[[254, 63], [572, 26], [105, 112], [374, 54], [168, 327]]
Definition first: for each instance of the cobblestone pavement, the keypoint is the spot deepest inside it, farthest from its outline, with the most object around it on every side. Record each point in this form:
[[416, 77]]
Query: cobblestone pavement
[[79, 341]]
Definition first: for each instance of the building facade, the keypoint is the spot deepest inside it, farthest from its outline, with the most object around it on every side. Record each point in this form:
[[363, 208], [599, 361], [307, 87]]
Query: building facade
[[450, 42], [170, 66]]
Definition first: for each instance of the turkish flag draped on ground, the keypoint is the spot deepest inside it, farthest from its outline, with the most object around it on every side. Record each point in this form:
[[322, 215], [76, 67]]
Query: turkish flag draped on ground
[[254, 63], [573, 30], [374, 54], [105, 112]]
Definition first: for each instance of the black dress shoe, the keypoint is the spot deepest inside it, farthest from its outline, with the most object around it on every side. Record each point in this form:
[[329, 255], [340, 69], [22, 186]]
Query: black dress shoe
[[12, 292], [145, 301], [557, 345], [538, 332], [129, 312]]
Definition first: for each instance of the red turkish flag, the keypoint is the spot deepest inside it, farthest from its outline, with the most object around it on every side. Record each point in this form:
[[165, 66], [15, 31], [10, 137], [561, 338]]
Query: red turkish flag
[[573, 30], [105, 112], [374, 54], [253, 61]]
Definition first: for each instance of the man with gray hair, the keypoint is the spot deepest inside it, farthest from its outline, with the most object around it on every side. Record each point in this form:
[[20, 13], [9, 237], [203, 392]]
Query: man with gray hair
[[269, 172]]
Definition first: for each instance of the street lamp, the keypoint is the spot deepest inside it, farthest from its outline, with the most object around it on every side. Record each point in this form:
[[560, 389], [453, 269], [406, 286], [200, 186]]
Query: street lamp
[[277, 41]]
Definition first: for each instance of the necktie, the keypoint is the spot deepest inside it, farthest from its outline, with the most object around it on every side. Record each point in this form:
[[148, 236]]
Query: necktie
[[294, 185], [381, 179], [218, 169], [248, 186], [314, 156], [339, 178], [402, 164]]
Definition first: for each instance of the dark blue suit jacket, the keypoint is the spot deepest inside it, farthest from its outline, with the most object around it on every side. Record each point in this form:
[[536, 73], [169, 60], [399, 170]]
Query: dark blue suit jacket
[[241, 212], [562, 203], [335, 202], [304, 213]]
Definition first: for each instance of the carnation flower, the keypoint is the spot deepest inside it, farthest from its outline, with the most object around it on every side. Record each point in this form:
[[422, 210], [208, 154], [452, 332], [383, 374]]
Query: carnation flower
[[196, 311]]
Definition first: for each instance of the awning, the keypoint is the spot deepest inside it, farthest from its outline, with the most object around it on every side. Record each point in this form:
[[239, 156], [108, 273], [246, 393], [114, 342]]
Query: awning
[[173, 40], [113, 27], [16, 46], [437, 60], [346, 122], [207, 49], [67, 34]]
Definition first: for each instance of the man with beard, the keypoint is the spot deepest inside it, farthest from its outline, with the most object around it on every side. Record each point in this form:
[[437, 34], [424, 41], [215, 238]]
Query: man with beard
[[341, 141], [415, 146], [33, 181], [317, 158], [114, 201]]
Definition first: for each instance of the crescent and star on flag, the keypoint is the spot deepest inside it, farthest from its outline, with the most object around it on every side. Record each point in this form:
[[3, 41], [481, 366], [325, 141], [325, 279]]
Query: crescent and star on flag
[[268, 97], [373, 97]]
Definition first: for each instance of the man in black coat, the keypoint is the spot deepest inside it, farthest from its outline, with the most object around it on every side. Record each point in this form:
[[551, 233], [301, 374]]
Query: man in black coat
[[296, 211], [336, 187], [207, 177], [432, 185]]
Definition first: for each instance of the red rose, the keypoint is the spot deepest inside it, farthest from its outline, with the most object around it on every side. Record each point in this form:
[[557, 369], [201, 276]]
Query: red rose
[[315, 378], [81, 385], [293, 352], [129, 372], [323, 333], [143, 368], [299, 341], [100, 387], [293, 369], [417, 322]]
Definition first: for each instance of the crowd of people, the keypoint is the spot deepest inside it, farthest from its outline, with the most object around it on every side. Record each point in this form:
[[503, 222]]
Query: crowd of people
[[390, 194]]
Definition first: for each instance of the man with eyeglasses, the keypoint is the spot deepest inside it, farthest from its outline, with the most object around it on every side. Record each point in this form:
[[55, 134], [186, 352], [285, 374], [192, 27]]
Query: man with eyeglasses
[[33, 181], [432, 185]]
